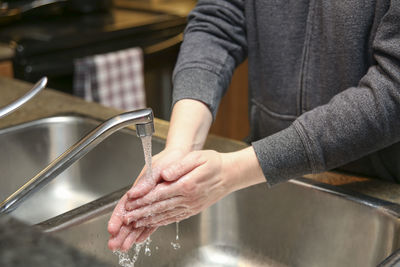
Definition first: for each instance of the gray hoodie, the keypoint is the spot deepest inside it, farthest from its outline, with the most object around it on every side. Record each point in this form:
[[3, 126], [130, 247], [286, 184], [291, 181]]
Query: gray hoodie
[[324, 80]]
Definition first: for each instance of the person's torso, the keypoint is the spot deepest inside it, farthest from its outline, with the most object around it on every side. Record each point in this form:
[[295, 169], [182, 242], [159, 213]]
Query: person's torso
[[303, 52]]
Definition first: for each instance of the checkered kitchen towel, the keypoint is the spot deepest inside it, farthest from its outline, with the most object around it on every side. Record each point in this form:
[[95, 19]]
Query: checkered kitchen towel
[[114, 79]]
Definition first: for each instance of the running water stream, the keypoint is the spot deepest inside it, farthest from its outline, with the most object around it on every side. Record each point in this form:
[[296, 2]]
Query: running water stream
[[146, 143], [124, 258], [176, 244]]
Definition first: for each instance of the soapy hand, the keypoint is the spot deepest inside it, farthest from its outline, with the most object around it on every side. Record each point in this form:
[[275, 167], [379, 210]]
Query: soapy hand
[[124, 235], [183, 182], [189, 186], [182, 186]]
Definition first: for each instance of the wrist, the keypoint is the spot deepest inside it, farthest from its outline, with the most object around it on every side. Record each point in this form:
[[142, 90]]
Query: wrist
[[183, 148], [189, 125], [241, 169]]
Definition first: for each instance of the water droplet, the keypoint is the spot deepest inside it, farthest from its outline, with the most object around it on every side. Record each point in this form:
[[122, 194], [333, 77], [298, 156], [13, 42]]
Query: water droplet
[[147, 250], [176, 244], [124, 259]]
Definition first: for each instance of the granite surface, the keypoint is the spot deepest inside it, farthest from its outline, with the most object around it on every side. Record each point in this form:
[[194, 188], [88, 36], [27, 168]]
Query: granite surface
[[49, 103], [21, 246]]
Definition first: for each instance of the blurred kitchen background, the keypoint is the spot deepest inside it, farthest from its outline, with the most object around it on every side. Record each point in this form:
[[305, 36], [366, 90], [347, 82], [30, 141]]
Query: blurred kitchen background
[[45, 37]]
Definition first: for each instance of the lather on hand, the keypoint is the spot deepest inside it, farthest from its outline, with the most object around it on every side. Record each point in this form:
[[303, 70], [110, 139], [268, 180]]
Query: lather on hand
[[124, 235]]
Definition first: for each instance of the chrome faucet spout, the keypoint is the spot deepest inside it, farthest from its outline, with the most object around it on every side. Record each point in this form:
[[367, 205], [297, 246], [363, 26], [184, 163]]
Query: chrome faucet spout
[[39, 86], [144, 129], [143, 119]]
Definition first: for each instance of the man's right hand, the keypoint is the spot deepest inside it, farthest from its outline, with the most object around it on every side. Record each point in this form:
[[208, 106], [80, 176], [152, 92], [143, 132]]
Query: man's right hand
[[123, 236], [161, 161]]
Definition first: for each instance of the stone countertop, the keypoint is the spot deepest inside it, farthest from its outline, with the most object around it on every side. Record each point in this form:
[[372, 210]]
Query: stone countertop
[[49, 103], [21, 246], [173, 7]]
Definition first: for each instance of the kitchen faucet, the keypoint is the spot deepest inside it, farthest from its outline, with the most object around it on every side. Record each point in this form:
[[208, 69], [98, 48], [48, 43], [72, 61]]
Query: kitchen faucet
[[4, 111], [143, 119]]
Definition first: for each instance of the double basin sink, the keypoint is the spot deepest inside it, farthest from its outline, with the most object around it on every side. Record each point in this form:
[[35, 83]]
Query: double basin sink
[[299, 223]]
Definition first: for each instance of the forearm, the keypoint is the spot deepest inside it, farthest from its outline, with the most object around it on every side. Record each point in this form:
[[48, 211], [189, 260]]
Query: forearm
[[189, 125]]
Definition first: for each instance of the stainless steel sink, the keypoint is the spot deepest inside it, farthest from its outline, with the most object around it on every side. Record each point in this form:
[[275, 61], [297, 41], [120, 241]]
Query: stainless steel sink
[[299, 223], [28, 148]]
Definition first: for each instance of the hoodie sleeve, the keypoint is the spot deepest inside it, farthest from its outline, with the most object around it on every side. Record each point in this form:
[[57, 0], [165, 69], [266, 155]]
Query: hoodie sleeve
[[214, 44]]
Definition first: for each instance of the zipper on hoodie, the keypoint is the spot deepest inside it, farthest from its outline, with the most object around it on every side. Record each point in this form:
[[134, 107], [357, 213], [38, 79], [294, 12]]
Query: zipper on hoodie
[[304, 61]]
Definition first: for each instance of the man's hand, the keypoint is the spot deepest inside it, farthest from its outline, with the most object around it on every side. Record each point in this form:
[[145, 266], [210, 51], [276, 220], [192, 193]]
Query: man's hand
[[188, 187], [124, 235], [184, 181], [182, 188]]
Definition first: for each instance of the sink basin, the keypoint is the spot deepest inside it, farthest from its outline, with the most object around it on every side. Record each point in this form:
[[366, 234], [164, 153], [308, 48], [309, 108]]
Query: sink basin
[[299, 223], [28, 148]]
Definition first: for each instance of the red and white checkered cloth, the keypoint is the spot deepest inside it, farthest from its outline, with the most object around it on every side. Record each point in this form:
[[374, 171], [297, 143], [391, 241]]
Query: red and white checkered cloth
[[114, 79]]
